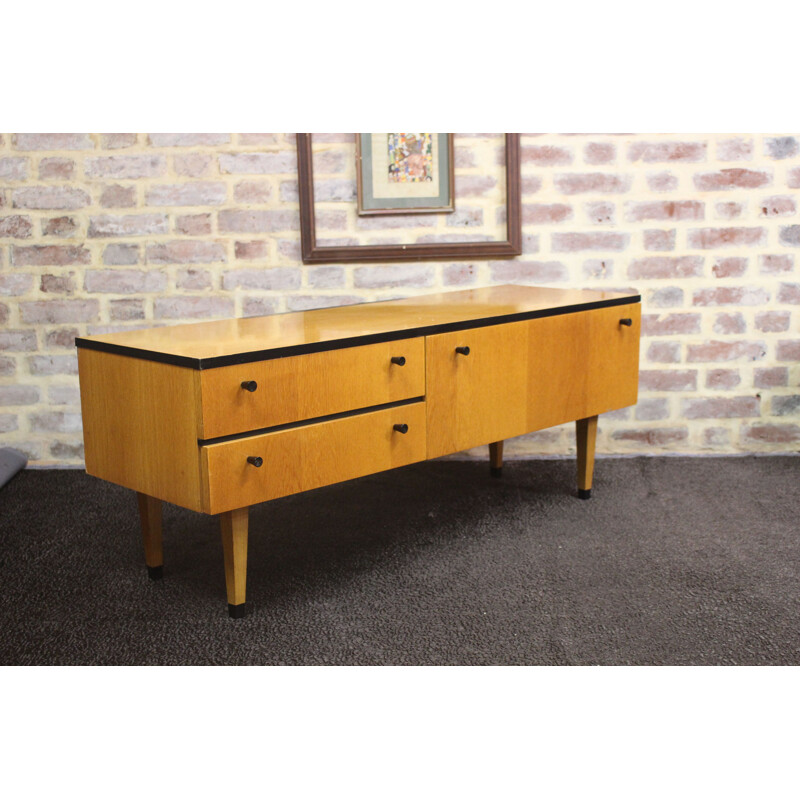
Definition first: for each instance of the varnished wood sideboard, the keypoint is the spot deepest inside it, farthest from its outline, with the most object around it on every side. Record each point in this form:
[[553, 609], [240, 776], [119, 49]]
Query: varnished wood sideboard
[[218, 416]]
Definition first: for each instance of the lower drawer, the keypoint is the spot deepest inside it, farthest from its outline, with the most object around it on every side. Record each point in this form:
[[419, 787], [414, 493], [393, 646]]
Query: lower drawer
[[306, 457]]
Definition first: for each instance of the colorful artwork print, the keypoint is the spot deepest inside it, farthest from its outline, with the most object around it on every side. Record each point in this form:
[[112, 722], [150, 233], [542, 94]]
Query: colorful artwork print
[[410, 157]]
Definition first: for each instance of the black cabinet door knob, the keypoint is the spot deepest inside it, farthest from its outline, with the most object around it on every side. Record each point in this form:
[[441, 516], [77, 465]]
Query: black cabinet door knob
[[401, 428], [464, 351], [256, 461], [249, 386], [627, 321], [399, 360]]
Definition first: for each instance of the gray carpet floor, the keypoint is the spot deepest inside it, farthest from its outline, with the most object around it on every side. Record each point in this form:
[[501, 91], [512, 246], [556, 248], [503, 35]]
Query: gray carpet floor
[[673, 561]]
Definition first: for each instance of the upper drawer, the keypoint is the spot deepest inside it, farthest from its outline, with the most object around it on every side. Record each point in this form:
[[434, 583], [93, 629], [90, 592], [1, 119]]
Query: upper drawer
[[304, 387]]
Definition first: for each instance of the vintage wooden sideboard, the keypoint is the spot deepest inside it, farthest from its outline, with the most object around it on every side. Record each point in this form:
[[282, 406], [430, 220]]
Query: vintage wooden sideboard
[[217, 416]]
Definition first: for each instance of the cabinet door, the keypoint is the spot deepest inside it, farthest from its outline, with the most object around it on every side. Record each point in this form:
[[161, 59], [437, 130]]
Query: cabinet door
[[480, 397], [582, 364]]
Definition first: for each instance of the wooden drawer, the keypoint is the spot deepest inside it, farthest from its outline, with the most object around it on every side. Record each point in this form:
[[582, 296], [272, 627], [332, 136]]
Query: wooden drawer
[[304, 387], [308, 456]]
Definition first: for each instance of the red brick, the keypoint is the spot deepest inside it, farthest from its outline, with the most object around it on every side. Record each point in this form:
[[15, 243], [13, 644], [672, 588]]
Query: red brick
[[598, 268], [3, 313], [670, 324], [666, 297], [60, 395], [273, 138], [188, 139], [656, 267], [599, 153], [49, 255], [652, 408], [662, 380], [192, 165], [789, 293], [778, 206], [115, 196], [659, 240], [654, 152], [52, 141], [573, 242], [192, 307], [656, 437], [597, 182], [201, 193], [793, 178], [18, 341], [539, 213], [126, 167], [250, 250], [786, 405], [283, 163], [788, 350], [464, 218], [193, 224], [729, 210], [259, 306], [790, 235], [252, 192], [664, 352], [391, 276], [732, 267], [716, 437], [55, 422], [601, 213], [664, 210], [272, 279], [132, 225], [772, 434], [731, 179], [731, 295], [50, 197], [18, 395], [58, 312], [545, 155], [8, 423], [712, 238], [127, 309], [662, 182], [186, 252], [16, 227], [62, 337], [459, 274], [58, 168], [481, 185], [720, 407], [530, 184], [53, 365], [15, 285], [737, 149], [770, 377], [243, 221], [124, 281], [776, 264], [8, 366], [117, 141], [781, 147], [528, 271], [121, 255], [723, 379], [13, 169], [772, 321], [193, 279], [62, 227], [730, 323], [57, 284], [726, 351]]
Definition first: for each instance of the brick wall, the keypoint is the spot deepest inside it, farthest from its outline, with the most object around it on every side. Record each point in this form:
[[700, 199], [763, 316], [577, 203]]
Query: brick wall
[[103, 232]]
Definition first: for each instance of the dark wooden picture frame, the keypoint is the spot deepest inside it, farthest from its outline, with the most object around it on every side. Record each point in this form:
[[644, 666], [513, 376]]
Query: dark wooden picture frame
[[445, 186], [313, 253]]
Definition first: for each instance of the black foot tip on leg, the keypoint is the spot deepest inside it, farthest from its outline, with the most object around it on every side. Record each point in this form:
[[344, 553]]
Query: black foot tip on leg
[[156, 573], [497, 472], [584, 494], [237, 612]]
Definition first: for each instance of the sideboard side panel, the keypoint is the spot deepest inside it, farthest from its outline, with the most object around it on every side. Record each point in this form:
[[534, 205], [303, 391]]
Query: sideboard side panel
[[140, 425]]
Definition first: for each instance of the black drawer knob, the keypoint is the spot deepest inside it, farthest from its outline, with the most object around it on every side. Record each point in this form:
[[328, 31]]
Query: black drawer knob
[[399, 360], [627, 321], [256, 461], [401, 428], [464, 351], [249, 386]]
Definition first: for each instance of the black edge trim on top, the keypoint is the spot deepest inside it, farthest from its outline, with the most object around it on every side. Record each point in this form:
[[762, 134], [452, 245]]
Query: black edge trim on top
[[341, 344], [303, 423]]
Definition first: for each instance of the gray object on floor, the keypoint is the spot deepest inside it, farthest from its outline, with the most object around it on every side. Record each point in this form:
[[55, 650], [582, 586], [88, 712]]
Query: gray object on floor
[[672, 561], [11, 462]]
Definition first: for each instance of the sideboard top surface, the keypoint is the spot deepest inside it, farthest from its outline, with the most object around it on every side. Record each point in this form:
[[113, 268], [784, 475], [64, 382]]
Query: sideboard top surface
[[204, 345]]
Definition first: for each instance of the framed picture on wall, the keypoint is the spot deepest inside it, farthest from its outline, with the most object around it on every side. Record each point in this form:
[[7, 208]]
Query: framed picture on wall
[[405, 173]]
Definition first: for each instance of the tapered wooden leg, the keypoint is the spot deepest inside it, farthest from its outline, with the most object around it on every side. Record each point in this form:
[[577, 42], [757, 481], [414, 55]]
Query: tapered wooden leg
[[496, 458], [586, 436], [150, 515], [234, 546]]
